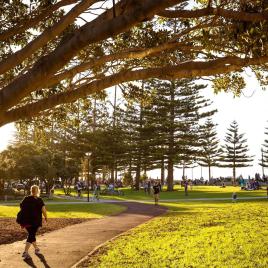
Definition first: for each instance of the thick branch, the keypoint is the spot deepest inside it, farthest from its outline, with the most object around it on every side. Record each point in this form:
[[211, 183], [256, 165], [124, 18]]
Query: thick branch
[[26, 24], [45, 37], [184, 70], [89, 33], [229, 14], [128, 54]]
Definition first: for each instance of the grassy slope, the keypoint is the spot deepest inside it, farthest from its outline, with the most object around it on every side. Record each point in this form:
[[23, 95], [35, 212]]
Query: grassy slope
[[197, 192], [207, 234], [70, 210]]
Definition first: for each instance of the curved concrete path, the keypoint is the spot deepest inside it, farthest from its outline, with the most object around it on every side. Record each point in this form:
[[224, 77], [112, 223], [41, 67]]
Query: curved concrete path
[[65, 247]]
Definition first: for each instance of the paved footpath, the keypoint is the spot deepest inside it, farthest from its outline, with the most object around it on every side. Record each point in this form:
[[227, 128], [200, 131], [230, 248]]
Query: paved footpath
[[65, 247]]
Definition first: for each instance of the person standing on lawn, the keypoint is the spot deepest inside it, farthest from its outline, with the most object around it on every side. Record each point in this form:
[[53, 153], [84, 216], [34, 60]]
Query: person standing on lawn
[[156, 188], [32, 208], [186, 187]]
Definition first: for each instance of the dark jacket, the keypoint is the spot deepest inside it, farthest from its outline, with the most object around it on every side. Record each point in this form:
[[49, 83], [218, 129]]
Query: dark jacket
[[31, 209]]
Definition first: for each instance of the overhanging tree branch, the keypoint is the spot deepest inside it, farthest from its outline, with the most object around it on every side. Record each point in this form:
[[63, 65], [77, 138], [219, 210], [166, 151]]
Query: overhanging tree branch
[[184, 70], [26, 24], [89, 33], [209, 11], [136, 53], [44, 38]]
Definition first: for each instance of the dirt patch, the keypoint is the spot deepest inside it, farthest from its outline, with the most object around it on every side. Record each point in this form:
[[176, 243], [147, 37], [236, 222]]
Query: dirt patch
[[10, 231]]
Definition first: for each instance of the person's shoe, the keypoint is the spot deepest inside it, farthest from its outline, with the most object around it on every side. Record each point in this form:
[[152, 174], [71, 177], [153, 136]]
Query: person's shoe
[[26, 255], [37, 251]]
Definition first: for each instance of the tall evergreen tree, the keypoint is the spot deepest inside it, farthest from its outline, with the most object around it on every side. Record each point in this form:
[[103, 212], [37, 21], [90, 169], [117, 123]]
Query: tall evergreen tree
[[235, 151], [178, 109], [139, 137], [264, 154], [210, 150]]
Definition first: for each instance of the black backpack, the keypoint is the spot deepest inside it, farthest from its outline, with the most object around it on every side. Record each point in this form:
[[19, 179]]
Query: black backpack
[[19, 218]]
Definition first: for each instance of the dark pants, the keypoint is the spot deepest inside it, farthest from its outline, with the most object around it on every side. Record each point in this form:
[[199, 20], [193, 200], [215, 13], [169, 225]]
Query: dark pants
[[31, 233]]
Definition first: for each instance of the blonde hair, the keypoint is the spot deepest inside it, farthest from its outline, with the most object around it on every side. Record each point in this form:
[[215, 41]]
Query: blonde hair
[[35, 190]]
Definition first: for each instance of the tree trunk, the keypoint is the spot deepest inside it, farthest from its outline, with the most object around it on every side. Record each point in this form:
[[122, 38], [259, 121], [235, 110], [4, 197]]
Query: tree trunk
[[92, 179], [162, 171], [138, 170], [170, 175], [209, 174], [171, 139], [138, 176], [115, 172], [112, 174], [234, 176]]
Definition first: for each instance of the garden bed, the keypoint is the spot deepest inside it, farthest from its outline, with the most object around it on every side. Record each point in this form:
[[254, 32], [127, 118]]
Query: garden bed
[[10, 231]]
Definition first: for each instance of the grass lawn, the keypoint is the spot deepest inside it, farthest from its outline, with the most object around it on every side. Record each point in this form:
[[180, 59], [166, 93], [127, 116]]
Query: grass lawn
[[70, 210], [207, 234], [46, 200], [196, 192]]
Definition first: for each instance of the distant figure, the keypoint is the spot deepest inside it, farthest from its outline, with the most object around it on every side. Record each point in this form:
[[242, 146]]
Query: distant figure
[[79, 189], [32, 208], [96, 192], [145, 187], [186, 188], [156, 189], [51, 193], [111, 188], [149, 187], [234, 197]]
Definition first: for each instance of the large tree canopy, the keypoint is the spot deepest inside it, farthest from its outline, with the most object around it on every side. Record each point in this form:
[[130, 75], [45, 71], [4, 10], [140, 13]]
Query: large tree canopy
[[56, 51]]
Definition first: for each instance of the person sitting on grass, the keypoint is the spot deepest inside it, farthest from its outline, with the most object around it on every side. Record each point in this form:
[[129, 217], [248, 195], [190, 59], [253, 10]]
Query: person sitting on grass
[[234, 197], [156, 188]]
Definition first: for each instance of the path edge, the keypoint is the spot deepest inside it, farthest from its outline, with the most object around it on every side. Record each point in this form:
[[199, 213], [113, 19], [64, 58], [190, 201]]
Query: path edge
[[92, 252]]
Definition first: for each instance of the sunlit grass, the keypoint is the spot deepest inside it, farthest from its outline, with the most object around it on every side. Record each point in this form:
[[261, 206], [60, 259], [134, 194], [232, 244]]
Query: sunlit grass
[[70, 210], [178, 193], [196, 192], [217, 234], [45, 199]]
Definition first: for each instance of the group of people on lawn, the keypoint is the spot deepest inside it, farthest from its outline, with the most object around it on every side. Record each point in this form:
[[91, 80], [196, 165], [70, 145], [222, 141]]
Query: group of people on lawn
[[250, 185]]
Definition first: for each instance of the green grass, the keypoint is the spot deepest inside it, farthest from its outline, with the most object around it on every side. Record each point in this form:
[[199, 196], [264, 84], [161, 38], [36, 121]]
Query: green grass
[[46, 200], [70, 210], [73, 193], [201, 235], [196, 192]]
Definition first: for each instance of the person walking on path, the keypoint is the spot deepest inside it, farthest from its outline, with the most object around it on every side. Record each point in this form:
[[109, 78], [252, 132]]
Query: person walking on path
[[32, 208], [156, 189]]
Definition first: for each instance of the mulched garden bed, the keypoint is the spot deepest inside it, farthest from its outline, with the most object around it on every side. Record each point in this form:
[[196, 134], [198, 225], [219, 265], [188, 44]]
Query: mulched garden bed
[[10, 231]]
